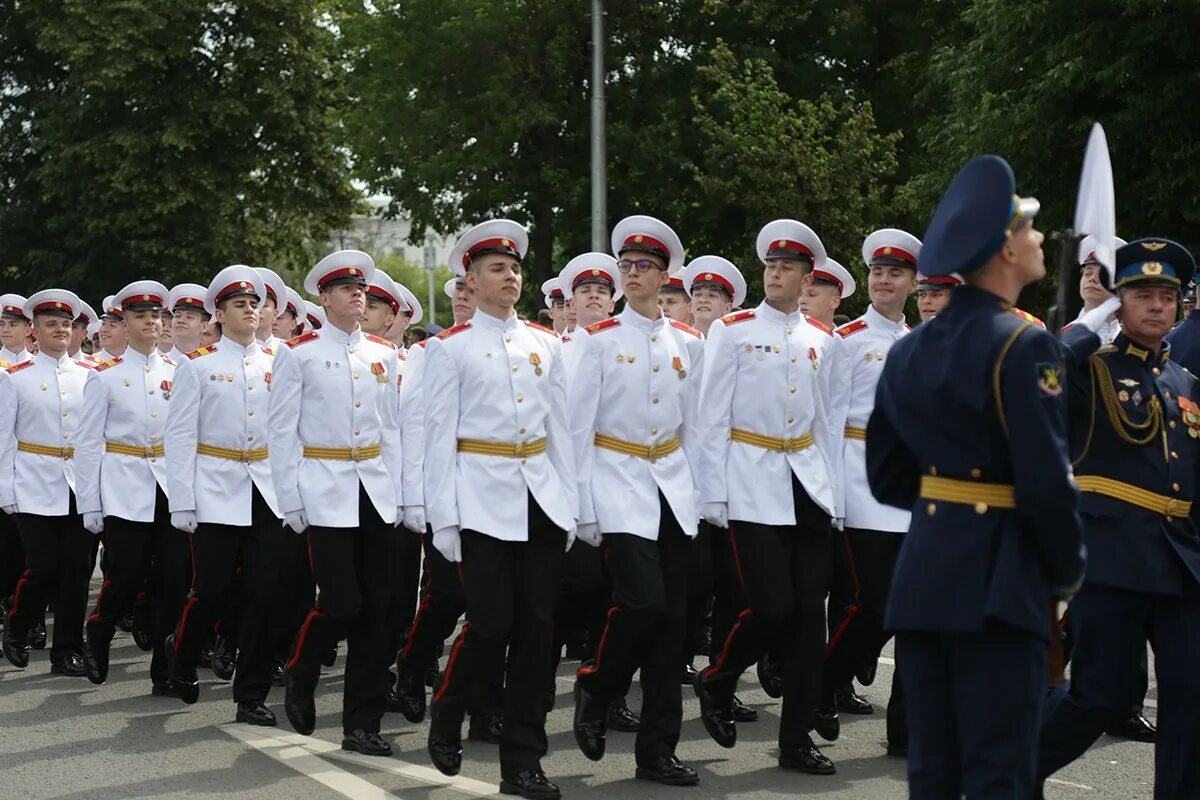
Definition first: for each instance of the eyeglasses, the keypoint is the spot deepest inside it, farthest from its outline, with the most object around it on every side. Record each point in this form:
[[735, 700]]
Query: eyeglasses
[[642, 264]]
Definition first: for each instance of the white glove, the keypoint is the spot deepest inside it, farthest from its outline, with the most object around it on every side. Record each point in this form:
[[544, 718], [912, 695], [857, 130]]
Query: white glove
[[414, 518], [10, 510], [589, 532], [571, 536], [93, 522], [296, 520], [449, 543], [184, 521], [839, 523], [1094, 319], [716, 514]]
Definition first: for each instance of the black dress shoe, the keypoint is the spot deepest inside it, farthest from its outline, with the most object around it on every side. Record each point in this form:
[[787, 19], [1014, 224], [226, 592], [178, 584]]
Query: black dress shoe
[[717, 721], [851, 702], [141, 627], [71, 666], [866, 672], [431, 676], [445, 753], [298, 701], [688, 675], [806, 759], [143, 639], [408, 697], [531, 783], [669, 770], [1135, 727], [826, 724], [224, 659], [487, 728], [770, 677], [255, 714], [125, 623], [184, 686], [591, 717], [896, 750], [622, 718], [16, 652], [206, 654], [277, 674], [162, 689], [369, 743], [37, 636], [95, 658], [743, 712]]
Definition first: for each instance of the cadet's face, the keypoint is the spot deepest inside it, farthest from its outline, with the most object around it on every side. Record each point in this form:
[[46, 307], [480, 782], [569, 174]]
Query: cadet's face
[[13, 333], [1024, 248], [463, 302], [345, 301], [187, 325], [167, 337], [1188, 307], [283, 325], [266, 317], [399, 326], [558, 314], [820, 300], [495, 280], [239, 316], [1148, 312], [930, 302], [378, 317], [785, 279], [1090, 289], [592, 303], [53, 333], [78, 334], [709, 303], [143, 327], [112, 334], [890, 286], [674, 305], [640, 285]]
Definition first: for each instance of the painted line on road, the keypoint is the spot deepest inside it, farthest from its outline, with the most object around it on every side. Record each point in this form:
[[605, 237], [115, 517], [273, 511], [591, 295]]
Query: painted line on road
[[1083, 786], [318, 748]]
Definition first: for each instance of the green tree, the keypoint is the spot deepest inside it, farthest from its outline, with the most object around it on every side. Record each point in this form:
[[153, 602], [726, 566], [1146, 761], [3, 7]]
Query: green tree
[[166, 138]]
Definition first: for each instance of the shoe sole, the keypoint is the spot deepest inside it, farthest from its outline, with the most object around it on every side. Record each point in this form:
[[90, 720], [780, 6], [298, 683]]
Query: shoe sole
[[351, 745], [243, 718], [710, 728], [650, 775], [508, 788]]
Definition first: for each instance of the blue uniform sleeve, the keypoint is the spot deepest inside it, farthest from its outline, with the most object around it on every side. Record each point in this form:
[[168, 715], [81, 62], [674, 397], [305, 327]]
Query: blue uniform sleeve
[[892, 469]]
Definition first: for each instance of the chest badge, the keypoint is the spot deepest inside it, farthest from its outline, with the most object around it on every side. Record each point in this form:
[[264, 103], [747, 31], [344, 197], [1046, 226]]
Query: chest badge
[[536, 360], [812, 357], [165, 387], [1137, 397]]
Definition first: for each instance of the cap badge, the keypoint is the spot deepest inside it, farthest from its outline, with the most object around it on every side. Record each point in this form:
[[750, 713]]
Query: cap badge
[[781, 243], [145, 297], [505, 243], [708, 276], [1154, 247], [242, 285], [1152, 268], [887, 251], [638, 238], [595, 272]]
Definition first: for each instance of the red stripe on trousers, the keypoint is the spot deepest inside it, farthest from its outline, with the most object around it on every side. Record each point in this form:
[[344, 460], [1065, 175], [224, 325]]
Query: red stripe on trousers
[[855, 609], [183, 619], [608, 618], [458, 645], [16, 606], [295, 659], [95, 615]]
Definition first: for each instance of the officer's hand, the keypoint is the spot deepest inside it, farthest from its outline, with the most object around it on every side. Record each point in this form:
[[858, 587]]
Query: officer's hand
[[1095, 319], [182, 521], [571, 533], [839, 523], [296, 520], [414, 518], [10, 510], [589, 532], [449, 543], [93, 522], [716, 514]]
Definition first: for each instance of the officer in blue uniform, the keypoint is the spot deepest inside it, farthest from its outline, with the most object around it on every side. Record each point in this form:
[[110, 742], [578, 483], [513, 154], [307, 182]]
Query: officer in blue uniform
[[969, 433], [1135, 435], [1184, 338]]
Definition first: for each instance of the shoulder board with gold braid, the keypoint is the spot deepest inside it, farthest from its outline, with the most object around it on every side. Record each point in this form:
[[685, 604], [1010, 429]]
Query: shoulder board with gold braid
[[1025, 315], [5, 364], [202, 351], [603, 325], [740, 316], [15, 368], [86, 364], [683, 326], [370, 337], [816, 323], [303, 338], [851, 328], [103, 365], [541, 328], [168, 361], [269, 350], [459, 328]]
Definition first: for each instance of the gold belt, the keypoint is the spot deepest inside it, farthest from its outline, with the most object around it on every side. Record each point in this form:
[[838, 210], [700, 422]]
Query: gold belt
[[137, 451], [483, 447], [782, 445], [232, 454], [980, 495], [650, 452], [46, 450], [852, 432], [1134, 495], [344, 453]]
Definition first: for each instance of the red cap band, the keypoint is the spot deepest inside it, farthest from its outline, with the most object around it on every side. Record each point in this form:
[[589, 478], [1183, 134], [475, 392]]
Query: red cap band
[[589, 275], [641, 241], [498, 244], [787, 247], [829, 277], [344, 272], [895, 252], [379, 294]]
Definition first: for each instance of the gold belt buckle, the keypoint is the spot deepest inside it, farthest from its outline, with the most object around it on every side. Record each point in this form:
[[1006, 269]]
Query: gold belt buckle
[[68, 453], [246, 456], [1177, 508], [147, 452], [519, 450], [354, 454]]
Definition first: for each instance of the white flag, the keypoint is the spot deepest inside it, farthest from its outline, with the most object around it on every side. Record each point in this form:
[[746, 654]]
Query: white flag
[[1095, 210]]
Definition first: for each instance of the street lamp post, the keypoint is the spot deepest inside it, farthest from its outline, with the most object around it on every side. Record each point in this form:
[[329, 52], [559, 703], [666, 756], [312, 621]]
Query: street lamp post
[[599, 169]]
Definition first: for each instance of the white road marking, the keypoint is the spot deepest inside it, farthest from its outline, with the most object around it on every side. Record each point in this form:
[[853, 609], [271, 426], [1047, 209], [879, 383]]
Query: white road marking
[[1083, 786]]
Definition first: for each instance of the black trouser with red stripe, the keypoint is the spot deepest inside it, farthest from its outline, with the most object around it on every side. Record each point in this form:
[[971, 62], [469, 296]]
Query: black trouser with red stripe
[[784, 571], [728, 599], [58, 558], [860, 636], [218, 551], [12, 556], [296, 594], [408, 586], [646, 628], [442, 603], [356, 570], [511, 589]]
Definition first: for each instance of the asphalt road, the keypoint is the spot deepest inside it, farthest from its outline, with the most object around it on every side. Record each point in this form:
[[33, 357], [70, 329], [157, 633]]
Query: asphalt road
[[64, 738]]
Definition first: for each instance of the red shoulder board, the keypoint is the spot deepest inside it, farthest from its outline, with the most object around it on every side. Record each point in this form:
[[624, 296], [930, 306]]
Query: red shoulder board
[[741, 316], [103, 365], [566, 339], [378, 340], [603, 325], [86, 364], [459, 328], [168, 361], [422, 343], [202, 351], [541, 328], [816, 323], [852, 328], [683, 326], [269, 350], [1025, 315], [302, 338], [15, 368], [1066, 327]]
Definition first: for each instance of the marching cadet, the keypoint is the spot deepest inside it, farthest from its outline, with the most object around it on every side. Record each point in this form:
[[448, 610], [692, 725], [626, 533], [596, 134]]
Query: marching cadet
[[336, 464], [14, 329], [1091, 288], [556, 301], [269, 310], [767, 474], [79, 329], [113, 339], [968, 434], [499, 422], [284, 326], [121, 483], [1135, 426], [591, 281], [933, 293], [166, 339], [1187, 303], [188, 318], [222, 495], [715, 287], [39, 415], [831, 284], [638, 497], [673, 300], [410, 314], [872, 531], [384, 304], [314, 317]]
